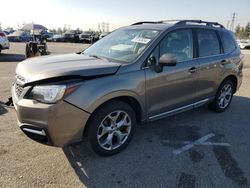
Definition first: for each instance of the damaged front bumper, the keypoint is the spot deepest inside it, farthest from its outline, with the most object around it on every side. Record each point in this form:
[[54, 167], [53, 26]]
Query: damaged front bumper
[[57, 124]]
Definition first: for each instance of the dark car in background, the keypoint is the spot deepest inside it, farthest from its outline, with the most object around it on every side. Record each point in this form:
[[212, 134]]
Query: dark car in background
[[71, 36], [55, 38], [45, 34], [88, 37]]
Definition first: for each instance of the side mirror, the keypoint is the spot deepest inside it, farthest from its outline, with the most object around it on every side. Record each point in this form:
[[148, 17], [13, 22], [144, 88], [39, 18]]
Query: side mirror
[[156, 66], [168, 60]]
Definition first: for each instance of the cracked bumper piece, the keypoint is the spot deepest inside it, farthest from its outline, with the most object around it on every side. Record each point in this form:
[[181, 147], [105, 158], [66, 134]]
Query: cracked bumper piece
[[57, 124]]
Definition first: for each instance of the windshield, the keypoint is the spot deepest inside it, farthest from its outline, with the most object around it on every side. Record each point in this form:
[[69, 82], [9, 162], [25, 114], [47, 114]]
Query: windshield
[[122, 45]]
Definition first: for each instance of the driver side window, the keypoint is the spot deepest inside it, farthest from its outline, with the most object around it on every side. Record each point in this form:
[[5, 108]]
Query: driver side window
[[178, 43]]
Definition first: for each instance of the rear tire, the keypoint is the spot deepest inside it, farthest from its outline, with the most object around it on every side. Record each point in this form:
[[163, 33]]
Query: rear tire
[[111, 128], [223, 97]]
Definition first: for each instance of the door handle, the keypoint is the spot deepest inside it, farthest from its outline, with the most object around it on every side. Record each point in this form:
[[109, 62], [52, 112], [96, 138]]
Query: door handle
[[223, 62], [192, 70]]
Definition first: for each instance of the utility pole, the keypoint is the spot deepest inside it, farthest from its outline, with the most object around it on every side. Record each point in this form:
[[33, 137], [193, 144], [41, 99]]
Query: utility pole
[[233, 22], [103, 27]]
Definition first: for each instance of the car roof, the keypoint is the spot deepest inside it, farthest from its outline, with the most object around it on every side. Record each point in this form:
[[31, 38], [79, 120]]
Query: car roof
[[160, 26], [165, 24]]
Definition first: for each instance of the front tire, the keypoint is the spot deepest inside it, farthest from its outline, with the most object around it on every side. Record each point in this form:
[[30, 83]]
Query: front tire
[[111, 128], [223, 97]]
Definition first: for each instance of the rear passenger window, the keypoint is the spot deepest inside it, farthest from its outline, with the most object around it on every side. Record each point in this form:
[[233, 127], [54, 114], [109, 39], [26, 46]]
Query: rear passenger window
[[178, 43], [208, 43], [227, 42]]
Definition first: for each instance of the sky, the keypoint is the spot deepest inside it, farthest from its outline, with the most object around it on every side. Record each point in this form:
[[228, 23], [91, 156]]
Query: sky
[[85, 14]]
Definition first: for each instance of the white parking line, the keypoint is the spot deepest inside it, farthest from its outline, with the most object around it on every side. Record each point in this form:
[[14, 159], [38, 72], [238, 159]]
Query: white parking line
[[200, 141], [202, 144], [214, 144]]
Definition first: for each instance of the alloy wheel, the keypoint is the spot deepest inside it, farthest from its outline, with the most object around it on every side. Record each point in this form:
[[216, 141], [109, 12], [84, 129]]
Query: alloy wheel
[[225, 96], [114, 130]]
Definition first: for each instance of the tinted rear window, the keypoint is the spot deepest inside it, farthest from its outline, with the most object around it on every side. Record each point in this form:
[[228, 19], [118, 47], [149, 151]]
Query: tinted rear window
[[227, 42], [208, 43]]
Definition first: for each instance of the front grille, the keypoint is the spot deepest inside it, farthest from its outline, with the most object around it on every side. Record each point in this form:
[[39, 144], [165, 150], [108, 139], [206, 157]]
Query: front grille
[[19, 85], [18, 89]]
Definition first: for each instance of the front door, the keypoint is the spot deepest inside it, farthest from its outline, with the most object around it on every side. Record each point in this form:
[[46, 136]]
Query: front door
[[174, 88]]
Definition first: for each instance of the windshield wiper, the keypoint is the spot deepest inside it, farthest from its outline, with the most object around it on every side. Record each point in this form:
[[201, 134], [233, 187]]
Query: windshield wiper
[[98, 57], [95, 56]]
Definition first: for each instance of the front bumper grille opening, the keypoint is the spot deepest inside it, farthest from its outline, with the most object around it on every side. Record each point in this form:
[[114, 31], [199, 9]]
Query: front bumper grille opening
[[36, 133], [38, 138]]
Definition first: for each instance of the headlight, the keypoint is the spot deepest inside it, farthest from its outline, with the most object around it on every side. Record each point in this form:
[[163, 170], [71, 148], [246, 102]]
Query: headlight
[[47, 94]]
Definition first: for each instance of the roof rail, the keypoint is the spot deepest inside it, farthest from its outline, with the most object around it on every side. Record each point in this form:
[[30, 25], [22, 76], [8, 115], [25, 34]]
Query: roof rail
[[147, 22], [180, 22], [212, 24]]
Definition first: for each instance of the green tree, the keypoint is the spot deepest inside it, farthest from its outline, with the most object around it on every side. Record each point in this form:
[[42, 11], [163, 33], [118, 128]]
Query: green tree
[[78, 30], [247, 30], [238, 31], [59, 30], [54, 30], [65, 28]]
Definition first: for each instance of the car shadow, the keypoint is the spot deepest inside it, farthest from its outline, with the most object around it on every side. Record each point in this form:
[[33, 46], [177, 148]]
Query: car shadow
[[148, 160], [11, 57]]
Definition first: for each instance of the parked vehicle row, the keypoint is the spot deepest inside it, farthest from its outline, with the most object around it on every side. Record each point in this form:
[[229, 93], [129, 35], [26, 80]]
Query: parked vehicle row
[[68, 36], [20, 36], [74, 36], [26, 36], [55, 38]]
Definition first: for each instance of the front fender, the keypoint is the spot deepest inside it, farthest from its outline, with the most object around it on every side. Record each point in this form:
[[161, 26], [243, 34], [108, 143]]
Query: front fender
[[95, 92], [113, 95]]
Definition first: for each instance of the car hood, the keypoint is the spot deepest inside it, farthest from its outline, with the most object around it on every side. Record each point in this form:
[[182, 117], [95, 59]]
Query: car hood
[[46, 67]]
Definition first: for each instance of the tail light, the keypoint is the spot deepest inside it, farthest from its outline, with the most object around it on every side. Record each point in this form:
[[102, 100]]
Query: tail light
[[2, 34]]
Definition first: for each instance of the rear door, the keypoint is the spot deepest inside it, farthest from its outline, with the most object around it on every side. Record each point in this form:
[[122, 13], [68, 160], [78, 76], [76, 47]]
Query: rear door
[[210, 59], [174, 88]]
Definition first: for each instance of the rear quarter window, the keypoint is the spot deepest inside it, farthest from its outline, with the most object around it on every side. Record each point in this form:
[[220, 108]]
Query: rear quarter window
[[228, 42]]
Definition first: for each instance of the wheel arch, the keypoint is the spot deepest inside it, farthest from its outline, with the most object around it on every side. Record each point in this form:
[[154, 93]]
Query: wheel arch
[[233, 79], [130, 100]]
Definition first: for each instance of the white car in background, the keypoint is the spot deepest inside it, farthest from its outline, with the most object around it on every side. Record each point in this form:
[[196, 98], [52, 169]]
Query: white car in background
[[244, 44], [4, 42]]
